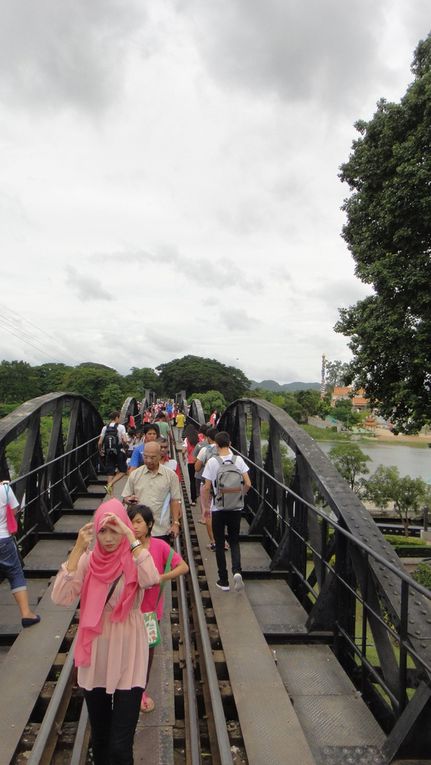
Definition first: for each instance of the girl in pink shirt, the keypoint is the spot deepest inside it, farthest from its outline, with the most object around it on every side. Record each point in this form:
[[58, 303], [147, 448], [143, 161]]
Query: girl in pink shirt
[[143, 520], [111, 650]]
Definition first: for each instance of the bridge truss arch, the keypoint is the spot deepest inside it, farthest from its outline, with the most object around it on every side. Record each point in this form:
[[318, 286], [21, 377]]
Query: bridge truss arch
[[57, 435], [346, 575]]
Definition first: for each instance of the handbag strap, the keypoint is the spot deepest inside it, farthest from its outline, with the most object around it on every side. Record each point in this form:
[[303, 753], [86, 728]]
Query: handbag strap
[[112, 588], [167, 568]]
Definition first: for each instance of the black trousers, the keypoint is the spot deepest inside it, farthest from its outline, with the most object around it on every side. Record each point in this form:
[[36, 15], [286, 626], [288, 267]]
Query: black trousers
[[113, 720], [231, 520], [191, 469]]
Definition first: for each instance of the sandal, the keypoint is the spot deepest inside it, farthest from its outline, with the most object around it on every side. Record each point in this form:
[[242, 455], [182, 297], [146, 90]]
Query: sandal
[[147, 703]]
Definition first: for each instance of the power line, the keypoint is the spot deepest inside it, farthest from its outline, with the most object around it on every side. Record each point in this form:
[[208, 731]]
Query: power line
[[13, 326]]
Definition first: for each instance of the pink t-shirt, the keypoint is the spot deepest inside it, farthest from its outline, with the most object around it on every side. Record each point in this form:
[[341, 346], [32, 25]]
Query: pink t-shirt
[[159, 550]]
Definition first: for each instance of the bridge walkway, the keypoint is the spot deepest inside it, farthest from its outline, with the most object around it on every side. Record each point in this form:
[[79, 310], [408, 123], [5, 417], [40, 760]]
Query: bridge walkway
[[295, 704], [321, 719]]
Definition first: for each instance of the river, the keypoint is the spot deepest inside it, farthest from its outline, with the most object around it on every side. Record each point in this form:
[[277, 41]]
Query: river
[[409, 460]]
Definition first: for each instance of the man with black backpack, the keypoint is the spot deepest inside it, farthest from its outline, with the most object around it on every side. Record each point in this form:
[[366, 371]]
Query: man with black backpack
[[112, 447], [226, 478]]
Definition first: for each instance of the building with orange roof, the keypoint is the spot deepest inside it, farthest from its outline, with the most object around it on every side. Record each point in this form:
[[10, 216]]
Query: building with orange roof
[[359, 401]]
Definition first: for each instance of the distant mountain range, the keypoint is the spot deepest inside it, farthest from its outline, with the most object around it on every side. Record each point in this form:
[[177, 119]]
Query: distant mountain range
[[277, 388]]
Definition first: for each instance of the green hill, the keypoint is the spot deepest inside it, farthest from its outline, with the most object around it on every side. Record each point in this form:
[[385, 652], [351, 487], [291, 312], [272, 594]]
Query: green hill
[[275, 387]]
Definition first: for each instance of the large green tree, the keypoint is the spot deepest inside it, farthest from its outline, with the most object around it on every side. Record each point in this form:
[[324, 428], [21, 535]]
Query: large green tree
[[407, 494], [192, 373], [92, 381], [351, 463], [388, 231], [210, 400], [335, 373]]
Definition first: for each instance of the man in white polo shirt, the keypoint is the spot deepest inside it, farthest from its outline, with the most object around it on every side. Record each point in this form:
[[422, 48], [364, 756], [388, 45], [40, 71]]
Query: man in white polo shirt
[[158, 487], [221, 519]]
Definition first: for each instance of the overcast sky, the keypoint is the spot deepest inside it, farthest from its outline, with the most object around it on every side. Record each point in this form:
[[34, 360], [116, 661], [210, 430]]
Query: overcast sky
[[169, 175]]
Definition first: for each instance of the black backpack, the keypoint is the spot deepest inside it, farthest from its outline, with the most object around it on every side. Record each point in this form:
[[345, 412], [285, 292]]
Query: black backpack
[[111, 442]]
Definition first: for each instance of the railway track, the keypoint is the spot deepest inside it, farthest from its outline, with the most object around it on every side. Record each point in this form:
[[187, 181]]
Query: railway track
[[216, 703]]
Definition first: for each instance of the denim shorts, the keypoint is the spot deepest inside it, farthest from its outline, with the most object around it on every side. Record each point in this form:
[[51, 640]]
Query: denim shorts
[[10, 564]]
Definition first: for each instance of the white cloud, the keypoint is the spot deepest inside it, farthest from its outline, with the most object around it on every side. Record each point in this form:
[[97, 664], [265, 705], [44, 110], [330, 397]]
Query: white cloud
[[87, 288], [170, 179]]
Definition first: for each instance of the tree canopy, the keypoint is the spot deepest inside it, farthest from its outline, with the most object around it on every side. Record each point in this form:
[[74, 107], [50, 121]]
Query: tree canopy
[[195, 373], [211, 400], [388, 232], [351, 462], [140, 379], [407, 494]]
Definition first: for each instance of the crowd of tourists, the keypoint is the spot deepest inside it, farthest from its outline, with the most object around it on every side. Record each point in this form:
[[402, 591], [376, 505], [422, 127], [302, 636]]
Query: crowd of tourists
[[122, 559]]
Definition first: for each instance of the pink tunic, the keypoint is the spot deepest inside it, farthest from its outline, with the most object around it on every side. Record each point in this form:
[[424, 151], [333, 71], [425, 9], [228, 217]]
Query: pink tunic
[[159, 550], [119, 655]]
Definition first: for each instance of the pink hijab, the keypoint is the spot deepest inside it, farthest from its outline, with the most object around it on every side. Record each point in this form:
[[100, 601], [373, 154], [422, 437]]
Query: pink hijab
[[103, 570]]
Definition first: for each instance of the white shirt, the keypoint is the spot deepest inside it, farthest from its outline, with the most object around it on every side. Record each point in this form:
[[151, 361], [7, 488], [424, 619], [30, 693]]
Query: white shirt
[[171, 464], [121, 430], [13, 502]]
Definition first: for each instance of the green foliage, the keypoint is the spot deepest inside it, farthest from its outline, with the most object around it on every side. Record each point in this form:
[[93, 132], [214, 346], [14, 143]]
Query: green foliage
[[18, 381], [336, 372], [404, 541], [299, 404], [210, 400], [51, 377], [15, 450], [326, 434], [408, 494], [388, 232], [344, 412], [111, 399], [292, 406], [288, 465], [14, 454], [351, 462], [422, 575], [196, 373], [141, 379], [91, 381], [6, 409]]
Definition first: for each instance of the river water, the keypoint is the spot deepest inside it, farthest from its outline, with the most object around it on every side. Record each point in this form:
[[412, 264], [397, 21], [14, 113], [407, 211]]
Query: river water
[[409, 460]]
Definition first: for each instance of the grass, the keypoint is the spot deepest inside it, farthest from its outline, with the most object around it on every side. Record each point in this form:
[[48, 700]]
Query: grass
[[325, 434]]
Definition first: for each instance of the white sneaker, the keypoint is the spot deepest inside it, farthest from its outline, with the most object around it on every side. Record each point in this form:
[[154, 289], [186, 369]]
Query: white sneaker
[[238, 583]]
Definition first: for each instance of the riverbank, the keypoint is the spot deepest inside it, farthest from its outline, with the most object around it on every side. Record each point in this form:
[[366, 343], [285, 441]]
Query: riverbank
[[380, 435], [418, 440]]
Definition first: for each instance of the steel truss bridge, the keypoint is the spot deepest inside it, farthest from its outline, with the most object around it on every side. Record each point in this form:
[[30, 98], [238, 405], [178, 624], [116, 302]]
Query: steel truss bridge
[[357, 596]]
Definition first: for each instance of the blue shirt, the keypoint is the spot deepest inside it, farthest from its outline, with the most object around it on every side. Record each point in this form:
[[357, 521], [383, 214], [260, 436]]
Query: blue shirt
[[137, 458]]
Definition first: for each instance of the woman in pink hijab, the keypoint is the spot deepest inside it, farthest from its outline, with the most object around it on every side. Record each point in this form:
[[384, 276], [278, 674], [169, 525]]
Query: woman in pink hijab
[[111, 650]]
